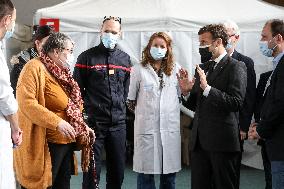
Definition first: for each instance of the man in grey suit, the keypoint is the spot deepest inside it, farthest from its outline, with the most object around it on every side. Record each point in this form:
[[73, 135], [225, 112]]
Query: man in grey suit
[[216, 96]]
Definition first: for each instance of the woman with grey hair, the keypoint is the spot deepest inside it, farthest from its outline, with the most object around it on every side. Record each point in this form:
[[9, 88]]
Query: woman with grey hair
[[50, 107]]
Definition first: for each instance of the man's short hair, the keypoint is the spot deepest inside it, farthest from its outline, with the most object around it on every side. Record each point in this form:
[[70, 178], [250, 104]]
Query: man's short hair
[[6, 8], [232, 25], [115, 18], [277, 27], [217, 31]]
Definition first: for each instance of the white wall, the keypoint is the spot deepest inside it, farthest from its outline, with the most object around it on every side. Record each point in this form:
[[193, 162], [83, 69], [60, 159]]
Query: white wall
[[27, 8]]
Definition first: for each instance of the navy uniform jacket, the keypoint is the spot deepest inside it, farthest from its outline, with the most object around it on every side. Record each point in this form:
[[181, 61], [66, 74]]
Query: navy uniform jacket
[[103, 77]]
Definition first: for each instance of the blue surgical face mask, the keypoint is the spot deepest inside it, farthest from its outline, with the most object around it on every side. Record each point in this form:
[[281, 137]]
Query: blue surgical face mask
[[158, 53], [9, 33], [230, 44], [264, 49], [110, 40]]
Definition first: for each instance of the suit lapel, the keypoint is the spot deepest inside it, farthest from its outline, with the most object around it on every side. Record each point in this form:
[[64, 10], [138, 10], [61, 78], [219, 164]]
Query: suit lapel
[[219, 68], [208, 68]]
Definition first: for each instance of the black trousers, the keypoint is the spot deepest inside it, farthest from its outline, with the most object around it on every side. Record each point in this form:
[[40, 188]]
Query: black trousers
[[114, 143], [266, 166], [216, 170], [239, 162], [62, 165]]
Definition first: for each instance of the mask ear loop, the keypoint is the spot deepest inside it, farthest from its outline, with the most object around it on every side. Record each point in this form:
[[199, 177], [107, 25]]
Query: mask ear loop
[[214, 48], [271, 40], [6, 26], [59, 60]]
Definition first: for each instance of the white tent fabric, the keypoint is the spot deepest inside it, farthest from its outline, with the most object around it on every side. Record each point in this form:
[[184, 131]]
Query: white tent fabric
[[180, 18], [155, 15]]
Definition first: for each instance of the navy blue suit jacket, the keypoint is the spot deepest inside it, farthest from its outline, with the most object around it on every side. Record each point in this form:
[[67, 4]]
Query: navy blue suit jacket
[[271, 125], [246, 112]]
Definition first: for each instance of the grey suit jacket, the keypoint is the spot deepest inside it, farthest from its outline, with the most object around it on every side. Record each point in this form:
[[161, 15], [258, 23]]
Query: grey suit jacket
[[216, 116]]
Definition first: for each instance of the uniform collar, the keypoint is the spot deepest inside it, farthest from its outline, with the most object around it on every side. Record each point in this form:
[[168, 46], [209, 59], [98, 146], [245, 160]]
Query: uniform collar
[[101, 46]]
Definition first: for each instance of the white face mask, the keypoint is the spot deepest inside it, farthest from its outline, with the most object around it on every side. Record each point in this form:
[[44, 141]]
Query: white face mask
[[68, 62], [230, 44]]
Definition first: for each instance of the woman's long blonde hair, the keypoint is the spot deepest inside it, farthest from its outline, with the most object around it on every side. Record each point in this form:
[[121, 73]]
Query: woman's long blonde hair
[[167, 62]]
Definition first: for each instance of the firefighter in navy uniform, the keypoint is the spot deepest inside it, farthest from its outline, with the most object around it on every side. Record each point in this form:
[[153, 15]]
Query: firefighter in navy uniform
[[102, 73]]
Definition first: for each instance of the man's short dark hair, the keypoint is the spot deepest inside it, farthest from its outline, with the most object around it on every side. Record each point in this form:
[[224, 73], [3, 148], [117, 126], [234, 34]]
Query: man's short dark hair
[[115, 18], [6, 8], [217, 31], [277, 27]]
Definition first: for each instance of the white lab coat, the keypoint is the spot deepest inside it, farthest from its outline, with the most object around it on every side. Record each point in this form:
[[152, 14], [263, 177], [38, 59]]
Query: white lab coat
[[8, 106], [157, 142]]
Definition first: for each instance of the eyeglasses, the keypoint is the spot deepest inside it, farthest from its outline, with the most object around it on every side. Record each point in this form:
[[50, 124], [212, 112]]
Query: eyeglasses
[[115, 18], [70, 50]]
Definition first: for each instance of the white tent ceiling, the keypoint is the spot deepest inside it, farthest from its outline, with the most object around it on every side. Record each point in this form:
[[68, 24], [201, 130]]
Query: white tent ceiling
[[154, 15], [82, 19]]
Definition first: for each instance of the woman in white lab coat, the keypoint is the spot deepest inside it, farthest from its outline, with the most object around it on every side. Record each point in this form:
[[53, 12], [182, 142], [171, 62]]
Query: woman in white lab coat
[[154, 94]]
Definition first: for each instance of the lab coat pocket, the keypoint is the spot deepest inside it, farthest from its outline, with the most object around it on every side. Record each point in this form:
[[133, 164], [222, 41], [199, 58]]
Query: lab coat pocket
[[144, 151], [149, 101], [148, 91]]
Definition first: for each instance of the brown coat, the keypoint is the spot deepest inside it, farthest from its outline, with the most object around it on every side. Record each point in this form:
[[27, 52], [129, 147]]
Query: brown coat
[[32, 159]]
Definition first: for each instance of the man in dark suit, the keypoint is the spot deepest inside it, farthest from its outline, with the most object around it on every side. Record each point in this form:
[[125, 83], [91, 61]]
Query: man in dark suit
[[247, 109], [271, 124], [258, 104], [216, 96]]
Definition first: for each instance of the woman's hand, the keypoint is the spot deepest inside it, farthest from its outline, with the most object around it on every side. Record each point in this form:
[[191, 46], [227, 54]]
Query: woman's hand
[[92, 133], [66, 129], [17, 136]]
